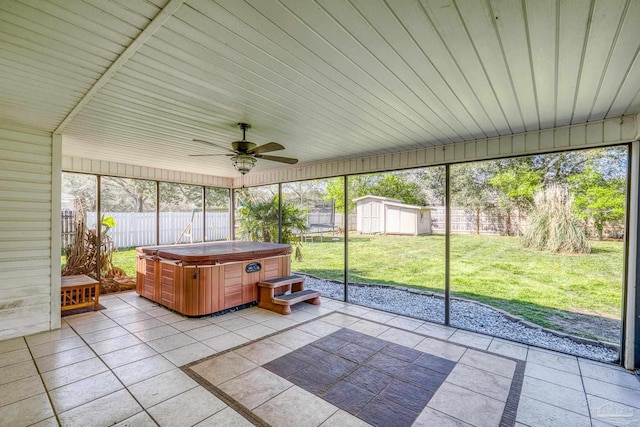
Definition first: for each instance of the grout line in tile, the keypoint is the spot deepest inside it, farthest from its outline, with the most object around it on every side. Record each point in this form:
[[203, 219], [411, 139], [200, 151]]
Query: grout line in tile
[[46, 389], [560, 407], [220, 353], [513, 398], [225, 398], [584, 389], [114, 374]]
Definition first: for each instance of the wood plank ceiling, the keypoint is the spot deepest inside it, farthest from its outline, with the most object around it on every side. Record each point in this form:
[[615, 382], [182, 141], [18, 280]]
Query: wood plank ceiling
[[329, 79]]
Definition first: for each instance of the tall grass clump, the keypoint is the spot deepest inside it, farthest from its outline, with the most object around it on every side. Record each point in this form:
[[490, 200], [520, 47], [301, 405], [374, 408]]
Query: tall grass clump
[[552, 226]]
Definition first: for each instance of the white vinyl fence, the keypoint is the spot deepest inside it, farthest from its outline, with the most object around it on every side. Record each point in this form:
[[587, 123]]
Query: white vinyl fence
[[139, 228]]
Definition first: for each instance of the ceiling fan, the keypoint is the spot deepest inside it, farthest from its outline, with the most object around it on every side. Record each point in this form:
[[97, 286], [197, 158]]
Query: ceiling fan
[[246, 153]]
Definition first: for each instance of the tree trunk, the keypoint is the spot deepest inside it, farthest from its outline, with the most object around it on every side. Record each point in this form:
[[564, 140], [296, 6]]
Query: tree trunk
[[599, 228], [478, 221]]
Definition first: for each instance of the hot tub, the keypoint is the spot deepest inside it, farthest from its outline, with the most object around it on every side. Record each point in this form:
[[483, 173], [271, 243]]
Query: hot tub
[[203, 278]]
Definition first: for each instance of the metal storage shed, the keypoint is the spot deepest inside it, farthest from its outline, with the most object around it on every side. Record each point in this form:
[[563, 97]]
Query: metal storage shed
[[383, 215]]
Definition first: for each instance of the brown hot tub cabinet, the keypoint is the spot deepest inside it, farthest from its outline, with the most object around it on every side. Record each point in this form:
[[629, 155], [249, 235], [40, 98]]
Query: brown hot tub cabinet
[[203, 278]]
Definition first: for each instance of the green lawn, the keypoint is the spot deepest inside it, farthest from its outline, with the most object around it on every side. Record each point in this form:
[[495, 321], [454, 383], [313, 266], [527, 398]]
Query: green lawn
[[494, 270]]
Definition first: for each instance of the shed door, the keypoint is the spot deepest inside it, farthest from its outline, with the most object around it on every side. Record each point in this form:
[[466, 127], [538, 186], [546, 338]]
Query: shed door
[[393, 220], [408, 221], [369, 217]]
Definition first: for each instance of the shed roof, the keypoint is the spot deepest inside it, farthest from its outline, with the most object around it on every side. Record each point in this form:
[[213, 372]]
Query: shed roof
[[392, 202]]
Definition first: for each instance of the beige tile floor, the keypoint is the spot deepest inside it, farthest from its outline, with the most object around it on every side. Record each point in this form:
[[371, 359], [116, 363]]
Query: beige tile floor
[[122, 366]]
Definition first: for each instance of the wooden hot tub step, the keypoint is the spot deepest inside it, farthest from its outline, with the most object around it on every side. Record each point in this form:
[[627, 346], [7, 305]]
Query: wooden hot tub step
[[291, 290], [296, 297], [282, 281]]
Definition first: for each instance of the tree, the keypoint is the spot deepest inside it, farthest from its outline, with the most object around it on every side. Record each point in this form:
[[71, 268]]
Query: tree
[[127, 195], [303, 192], [216, 198], [395, 185], [517, 181], [180, 197], [83, 187], [470, 188], [558, 168], [432, 182], [262, 194], [597, 198], [358, 187]]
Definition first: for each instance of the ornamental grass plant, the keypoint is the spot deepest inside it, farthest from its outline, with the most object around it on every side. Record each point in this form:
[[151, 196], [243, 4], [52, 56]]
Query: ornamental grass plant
[[552, 226]]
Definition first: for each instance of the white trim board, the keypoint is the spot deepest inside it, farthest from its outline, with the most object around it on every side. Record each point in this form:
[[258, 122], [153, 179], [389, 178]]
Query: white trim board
[[125, 170], [586, 135]]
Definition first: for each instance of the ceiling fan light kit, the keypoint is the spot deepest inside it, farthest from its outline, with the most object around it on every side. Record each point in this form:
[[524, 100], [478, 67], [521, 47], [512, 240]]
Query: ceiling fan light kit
[[243, 163], [247, 153]]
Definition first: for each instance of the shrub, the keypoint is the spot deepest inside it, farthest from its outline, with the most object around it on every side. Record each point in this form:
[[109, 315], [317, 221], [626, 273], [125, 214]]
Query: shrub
[[260, 222], [552, 226]]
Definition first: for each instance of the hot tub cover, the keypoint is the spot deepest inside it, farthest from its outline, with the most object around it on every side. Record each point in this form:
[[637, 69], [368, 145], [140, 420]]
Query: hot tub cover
[[216, 252]]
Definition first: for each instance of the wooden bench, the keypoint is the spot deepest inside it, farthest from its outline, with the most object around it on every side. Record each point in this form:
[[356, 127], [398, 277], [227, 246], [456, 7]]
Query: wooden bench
[[79, 291], [280, 294]]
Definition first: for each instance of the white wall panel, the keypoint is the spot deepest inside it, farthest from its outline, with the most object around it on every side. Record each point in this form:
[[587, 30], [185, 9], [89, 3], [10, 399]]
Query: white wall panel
[[29, 239]]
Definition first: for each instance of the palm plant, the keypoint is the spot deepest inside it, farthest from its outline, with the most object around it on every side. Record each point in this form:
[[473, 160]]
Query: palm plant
[[260, 221]]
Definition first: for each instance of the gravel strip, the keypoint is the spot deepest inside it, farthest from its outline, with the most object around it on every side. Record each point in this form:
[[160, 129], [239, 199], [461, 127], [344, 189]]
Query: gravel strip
[[464, 314]]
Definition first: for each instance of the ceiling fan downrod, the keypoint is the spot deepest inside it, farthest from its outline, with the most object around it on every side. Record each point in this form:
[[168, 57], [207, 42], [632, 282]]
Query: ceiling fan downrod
[[244, 127]]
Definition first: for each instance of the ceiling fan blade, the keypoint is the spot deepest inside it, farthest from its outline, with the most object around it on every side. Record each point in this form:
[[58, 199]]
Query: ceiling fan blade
[[278, 159], [209, 155], [214, 144], [269, 146]]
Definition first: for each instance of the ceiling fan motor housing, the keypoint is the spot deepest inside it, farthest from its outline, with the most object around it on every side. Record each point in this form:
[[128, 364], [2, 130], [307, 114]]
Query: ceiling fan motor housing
[[243, 146]]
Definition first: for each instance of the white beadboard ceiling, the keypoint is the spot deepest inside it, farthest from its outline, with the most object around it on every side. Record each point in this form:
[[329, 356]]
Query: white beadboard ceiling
[[134, 81]]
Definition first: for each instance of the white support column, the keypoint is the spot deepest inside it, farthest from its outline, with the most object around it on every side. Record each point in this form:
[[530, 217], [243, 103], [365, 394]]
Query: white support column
[[632, 322], [56, 232]]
